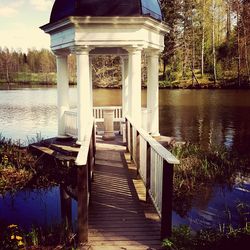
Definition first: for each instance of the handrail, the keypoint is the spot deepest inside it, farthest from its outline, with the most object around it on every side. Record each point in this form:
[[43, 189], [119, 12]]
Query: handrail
[[163, 152], [85, 162], [155, 166], [82, 156]]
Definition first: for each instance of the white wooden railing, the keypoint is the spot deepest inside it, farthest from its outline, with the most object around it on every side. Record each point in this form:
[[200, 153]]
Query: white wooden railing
[[70, 118], [85, 161], [82, 156], [98, 113], [155, 166]]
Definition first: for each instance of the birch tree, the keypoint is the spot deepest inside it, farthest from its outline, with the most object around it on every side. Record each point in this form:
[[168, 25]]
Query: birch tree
[[213, 41]]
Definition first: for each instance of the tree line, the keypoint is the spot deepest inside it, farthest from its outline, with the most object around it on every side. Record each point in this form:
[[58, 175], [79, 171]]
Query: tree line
[[15, 65], [208, 41]]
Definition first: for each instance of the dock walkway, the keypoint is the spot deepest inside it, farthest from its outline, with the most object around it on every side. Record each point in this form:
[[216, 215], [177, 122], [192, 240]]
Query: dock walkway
[[119, 217]]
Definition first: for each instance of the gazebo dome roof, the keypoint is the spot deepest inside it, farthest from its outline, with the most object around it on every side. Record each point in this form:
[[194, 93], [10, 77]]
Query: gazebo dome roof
[[105, 8]]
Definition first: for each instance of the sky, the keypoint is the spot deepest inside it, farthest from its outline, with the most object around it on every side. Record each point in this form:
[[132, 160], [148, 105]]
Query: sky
[[20, 21]]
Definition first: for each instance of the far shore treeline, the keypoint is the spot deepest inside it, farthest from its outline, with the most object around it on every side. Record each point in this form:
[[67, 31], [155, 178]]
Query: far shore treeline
[[208, 45]]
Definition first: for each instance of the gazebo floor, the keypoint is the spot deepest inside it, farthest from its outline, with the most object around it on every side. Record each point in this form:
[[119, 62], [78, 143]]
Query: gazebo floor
[[119, 217]]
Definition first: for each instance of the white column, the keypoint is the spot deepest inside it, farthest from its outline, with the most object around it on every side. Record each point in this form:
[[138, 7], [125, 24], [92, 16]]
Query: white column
[[62, 91], [153, 92], [125, 94], [83, 92], [91, 85], [130, 85], [135, 84]]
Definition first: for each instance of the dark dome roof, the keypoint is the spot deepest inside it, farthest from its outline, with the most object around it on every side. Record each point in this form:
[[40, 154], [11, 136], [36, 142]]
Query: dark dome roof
[[65, 8]]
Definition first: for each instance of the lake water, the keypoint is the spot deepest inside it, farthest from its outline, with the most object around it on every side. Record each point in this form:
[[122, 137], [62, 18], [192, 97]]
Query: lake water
[[204, 116]]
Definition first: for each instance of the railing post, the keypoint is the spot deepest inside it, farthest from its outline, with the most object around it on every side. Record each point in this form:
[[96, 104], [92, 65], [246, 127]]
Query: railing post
[[66, 210], [131, 141], [82, 204], [94, 138], [90, 165], [148, 172], [126, 124], [167, 194], [137, 152]]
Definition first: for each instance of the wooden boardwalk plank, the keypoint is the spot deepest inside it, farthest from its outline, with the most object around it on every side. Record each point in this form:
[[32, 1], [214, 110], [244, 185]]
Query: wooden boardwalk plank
[[119, 217]]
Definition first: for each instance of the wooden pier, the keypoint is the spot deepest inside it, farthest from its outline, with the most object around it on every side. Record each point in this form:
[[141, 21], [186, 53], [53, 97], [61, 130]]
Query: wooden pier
[[119, 217], [124, 187]]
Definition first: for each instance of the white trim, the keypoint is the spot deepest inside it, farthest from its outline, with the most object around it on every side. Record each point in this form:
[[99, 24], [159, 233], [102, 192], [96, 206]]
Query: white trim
[[83, 21]]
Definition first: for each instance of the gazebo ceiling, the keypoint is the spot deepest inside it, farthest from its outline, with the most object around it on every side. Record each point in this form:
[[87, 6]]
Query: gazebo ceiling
[[105, 8]]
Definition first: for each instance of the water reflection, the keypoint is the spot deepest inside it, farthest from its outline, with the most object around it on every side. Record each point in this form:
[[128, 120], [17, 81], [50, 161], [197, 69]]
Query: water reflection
[[203, 116], [38, 208], [23, 113], [217, 206], [208, 117]]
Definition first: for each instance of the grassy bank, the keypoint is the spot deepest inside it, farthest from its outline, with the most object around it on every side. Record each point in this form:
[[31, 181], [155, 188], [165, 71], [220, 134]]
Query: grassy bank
[[16, 166], [31, 78], [203, 82], [49, 79]]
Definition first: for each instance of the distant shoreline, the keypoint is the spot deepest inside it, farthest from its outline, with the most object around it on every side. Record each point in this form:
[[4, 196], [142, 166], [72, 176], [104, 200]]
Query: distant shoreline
[[14, 85]]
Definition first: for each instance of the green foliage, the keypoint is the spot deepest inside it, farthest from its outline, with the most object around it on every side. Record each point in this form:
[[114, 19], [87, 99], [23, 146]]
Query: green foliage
[[12, 238], [168, 84], [33, 237], [207, 239], [34, 66], [220, 71], [14, 155], [190, 40]]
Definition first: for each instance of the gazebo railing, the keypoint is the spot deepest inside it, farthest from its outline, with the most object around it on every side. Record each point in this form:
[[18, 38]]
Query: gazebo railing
[[70, 118], [98, 113], [155, 166]]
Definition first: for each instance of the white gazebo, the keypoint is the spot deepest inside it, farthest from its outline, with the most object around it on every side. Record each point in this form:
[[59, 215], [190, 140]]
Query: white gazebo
[[125, 28]]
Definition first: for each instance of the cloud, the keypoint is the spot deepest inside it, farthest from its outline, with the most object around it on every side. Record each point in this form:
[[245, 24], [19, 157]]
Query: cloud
[[9, 9], [20, 21], [41, 5]]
